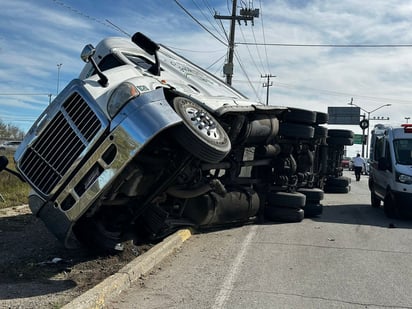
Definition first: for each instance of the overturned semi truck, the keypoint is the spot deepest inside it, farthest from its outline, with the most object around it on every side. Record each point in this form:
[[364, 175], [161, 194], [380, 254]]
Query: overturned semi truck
[[144, 142]]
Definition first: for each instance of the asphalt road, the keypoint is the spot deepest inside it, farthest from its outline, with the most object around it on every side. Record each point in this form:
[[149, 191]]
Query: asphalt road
[[350, 257]]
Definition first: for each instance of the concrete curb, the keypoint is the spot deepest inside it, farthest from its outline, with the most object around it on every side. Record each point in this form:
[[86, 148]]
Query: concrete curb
[[113, 285]]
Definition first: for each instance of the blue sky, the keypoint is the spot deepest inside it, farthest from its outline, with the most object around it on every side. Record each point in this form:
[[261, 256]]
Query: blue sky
[[37, 35]]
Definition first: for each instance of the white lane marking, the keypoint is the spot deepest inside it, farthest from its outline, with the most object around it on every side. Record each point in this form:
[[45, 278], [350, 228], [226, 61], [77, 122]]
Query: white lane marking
[[227, 286]]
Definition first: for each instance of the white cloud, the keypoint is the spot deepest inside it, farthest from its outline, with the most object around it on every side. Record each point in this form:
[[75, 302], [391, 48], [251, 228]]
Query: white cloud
[[36, 36]]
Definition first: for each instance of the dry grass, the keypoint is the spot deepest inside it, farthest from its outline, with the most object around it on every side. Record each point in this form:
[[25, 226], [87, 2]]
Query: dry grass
[[13, 191]]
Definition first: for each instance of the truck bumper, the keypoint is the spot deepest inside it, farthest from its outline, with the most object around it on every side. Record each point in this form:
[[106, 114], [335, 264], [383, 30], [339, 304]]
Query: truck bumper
[[134, 127]]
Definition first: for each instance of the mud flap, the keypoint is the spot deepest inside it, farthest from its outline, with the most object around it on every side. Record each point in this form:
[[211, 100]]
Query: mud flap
[[55, 220]]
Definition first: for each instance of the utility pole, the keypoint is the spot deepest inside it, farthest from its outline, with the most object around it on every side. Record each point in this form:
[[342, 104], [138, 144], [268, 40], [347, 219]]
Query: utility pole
[[267, 85], [245, 15]]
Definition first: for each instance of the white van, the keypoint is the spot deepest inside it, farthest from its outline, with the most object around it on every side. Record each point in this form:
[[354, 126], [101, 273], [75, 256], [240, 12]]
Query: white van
[[390, 178]]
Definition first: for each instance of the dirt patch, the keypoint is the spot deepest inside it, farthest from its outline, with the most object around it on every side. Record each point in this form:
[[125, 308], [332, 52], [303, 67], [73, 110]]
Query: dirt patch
[[36, 271]]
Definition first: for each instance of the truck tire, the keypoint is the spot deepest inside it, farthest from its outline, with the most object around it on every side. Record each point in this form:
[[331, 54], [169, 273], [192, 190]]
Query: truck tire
[[339, 141], [284, 214], [322, 118], [389, 206], [341, 181], [340, 133], [313, 210], [96, 237], [313, 207], [320, 132], [298, 115], [331, 189], [296, 130], [313, 195], [201, 134], [375, 201], [286, 200]]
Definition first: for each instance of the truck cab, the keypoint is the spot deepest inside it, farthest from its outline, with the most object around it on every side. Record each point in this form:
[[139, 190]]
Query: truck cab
[[390, 177]]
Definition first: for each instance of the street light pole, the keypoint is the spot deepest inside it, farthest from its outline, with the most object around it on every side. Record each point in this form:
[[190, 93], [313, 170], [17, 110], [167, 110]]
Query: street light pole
[[407, 119], [369, 118], [58, 76]]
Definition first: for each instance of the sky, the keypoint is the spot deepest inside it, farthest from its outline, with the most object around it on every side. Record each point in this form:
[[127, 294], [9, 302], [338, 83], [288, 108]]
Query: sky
[[320, 53]]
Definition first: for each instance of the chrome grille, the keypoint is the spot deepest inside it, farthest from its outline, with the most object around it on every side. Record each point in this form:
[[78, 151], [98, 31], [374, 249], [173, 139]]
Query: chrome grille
[[70, 131]]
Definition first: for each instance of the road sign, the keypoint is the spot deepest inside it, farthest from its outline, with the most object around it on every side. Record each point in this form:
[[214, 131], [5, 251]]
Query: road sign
[[364, 124], [344, 115], [358, 139]]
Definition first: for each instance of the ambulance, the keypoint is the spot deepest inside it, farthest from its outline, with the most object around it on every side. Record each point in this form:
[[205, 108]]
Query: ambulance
[[390, 179]]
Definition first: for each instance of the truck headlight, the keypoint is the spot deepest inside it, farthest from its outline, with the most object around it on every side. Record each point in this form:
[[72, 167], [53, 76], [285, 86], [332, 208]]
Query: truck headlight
[[120, 96], [405, 179]]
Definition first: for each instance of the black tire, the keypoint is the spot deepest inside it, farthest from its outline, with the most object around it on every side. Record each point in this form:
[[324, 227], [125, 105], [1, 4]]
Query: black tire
[[341, 181], [286, 200], [96, 237], [389, 206], [296, 130], [320, 132], [298, 115], [339, 141], [329, 189], [340, 133], [375, 201], [322, 118], [201, 134], [312, 195], [284, 214], [313, 210]]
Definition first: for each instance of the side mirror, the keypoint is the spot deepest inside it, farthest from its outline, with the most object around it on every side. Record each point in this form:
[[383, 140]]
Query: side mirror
[[3, 167], [87, 56], [149, 47], [3, 163], [382, 164], [145, 43], [87, 52]]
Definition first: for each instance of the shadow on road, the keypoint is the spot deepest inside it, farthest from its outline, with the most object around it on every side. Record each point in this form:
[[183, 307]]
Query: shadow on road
[[360, 214]]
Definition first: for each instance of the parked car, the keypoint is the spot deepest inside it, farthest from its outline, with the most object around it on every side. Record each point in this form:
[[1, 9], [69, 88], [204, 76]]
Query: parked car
[[10, 145], [345, 162]]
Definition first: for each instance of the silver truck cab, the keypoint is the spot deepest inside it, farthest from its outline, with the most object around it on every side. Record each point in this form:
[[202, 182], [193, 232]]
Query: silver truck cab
[[390, 178]]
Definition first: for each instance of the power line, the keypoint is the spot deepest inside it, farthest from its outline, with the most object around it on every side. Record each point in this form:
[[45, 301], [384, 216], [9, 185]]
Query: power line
[[206, 17], [330, 92], [338, 93], [196, 51], [199, 23], [257, 50], [215, 62], [78, 12], [264, 36], [327, 45], [118, 28], [245, 73], [22, 94], [250, 53]]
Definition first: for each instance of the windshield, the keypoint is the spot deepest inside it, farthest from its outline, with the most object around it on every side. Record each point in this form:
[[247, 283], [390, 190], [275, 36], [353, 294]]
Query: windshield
[[140, 61], [403, 151]]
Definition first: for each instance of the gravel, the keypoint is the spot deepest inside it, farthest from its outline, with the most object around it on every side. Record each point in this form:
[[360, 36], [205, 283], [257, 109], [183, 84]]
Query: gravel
[[36, 271]]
